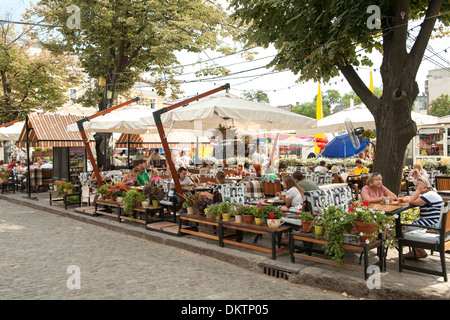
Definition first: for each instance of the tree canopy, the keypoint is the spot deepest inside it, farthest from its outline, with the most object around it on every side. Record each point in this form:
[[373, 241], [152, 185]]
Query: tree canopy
[[319, 39], [440, 107], [31, 78], [118, 40]]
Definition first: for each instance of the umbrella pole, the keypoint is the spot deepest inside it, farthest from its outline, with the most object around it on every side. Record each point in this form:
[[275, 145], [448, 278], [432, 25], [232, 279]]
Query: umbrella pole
[[85, 139], [27, 130], [157, 116]]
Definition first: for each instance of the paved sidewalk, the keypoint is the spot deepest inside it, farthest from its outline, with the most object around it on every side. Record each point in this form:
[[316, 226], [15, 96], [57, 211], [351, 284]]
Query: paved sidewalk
[[392, 284]]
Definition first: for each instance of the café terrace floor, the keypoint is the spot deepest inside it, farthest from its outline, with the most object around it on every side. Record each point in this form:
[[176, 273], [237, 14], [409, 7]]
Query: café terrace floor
[[392, 284]]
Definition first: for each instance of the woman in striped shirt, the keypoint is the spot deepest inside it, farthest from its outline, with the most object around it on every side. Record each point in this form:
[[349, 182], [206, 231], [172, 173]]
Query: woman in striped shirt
[[430, 204]]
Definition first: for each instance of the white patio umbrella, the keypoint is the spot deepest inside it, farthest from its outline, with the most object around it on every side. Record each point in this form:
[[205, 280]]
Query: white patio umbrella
[[132, 119], [360, 117], [12, 132], [230, 110]]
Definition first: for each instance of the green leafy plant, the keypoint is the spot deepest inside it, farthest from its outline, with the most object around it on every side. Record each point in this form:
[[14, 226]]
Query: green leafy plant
[[5, 174], [336, 221], [103, 190], [118, 190], [129, 200], [272, 212], [191, 200], [224, 207], [244, 209], [306, 216], [153, 192]]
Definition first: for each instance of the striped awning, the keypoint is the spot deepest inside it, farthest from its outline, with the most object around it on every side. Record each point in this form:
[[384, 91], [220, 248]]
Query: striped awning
[[176, 140], [50, 130]]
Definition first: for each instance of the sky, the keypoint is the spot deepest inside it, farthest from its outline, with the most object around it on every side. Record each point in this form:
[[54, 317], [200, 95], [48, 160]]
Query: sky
[[280, 87]]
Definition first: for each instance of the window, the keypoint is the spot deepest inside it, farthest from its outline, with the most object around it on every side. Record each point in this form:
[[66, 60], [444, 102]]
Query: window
[[72, 95], [430, 142]]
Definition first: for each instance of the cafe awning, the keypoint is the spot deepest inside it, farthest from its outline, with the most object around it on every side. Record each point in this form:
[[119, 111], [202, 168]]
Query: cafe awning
[[175, 140], [50, 130]]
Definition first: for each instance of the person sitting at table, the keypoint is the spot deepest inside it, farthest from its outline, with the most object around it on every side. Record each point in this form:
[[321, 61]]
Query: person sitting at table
[[142, 177], [22, 168], [294, 193], [322, 167], [240, 170], [130, 178], [185, 183], [206, 165], [417, 173], [429, 202], [356, 183], [225, 164], [374, 191], [258, 169], [305, 184], [154, 175], [209, 196], [13, 164]]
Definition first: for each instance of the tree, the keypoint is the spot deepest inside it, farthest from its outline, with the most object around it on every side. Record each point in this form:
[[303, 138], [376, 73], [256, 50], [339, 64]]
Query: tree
[[258, 95], [440, 107], [330, 98], [378, 91], [31, 78], [309, 109], [118, 40], [320, 39]]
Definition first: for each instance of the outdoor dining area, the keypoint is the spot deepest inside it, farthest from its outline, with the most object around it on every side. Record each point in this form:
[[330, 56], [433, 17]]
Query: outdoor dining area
[[300, 211]]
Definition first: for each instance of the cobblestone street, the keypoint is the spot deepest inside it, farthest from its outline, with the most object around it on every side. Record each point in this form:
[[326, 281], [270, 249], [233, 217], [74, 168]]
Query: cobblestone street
[[38, 247]]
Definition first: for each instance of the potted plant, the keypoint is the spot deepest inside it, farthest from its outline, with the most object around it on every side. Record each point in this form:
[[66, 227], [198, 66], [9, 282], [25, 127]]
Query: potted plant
[[371, 222], [191, 201], [241, 211], [131, 199], [211, 211], [5, 174], [154, 192], [318, 225], [224, 208], [273, 216], [248, 213], [260, 214], [307, 219], [118, 190], [103, 191]]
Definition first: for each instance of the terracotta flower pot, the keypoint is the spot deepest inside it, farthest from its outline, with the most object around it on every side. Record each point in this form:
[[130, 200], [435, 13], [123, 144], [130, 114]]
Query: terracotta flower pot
[[5, 180], [366, 231], [307, 226], [248, 218]]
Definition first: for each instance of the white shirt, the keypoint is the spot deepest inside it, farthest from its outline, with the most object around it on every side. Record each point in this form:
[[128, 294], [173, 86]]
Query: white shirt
[[321, 169], [47, 166], [296, 196], [186, 181]]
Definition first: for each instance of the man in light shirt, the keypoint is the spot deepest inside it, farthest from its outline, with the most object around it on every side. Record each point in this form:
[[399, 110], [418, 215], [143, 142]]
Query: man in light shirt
[[322, 167]]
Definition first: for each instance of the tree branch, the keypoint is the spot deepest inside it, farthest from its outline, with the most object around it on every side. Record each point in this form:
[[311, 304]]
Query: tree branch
[[360, 88], [419, 47]]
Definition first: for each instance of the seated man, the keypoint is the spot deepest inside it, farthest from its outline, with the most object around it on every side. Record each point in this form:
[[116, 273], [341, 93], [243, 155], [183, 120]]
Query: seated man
[[322, 167], [185, 181], [356, 182], [307, 185]]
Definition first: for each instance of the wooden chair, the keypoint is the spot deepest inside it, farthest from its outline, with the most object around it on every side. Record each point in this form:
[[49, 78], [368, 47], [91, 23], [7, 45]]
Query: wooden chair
[[442, 183], [405, 186], [271, 188], [431, 238]]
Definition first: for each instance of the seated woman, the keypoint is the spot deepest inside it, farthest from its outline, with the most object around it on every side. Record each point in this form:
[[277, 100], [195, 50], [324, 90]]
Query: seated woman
[[154, 175], [294, 194], [374, 191], [430, 203], [210, 196], [131, 177], [240, 170], [417, 173]]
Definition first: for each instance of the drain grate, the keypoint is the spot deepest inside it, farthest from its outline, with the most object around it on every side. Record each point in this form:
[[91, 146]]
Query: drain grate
[[277, 273]]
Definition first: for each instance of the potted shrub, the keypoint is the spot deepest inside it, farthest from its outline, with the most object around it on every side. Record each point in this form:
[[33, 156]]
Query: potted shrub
[[211, 211], [224, 208], [336, 221], [118, 190], [191, 201], [131, 199], [154, 192], [248, 213], [5, 174], [260, 214], [103, 191], [307, 219], [236, 213], [371, 222]]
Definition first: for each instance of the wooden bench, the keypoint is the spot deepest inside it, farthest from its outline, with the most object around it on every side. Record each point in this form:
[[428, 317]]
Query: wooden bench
[[309, 239], [64, 198]]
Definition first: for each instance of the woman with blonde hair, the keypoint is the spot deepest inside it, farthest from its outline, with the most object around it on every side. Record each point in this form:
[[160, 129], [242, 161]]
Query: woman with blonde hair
[[374, 191], [417, 172], [131, 177], [154, 175]]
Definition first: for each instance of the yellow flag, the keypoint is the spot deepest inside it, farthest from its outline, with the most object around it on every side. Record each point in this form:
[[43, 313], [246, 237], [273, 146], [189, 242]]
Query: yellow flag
[[371, 82], [319, 115]]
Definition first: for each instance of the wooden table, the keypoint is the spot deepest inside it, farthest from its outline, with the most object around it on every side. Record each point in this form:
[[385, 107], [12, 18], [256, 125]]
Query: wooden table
[[309, 239], [274, 233], [63, 198], [267, 203], [198, 224], [5, 186], [394, 208], [147, 211]]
